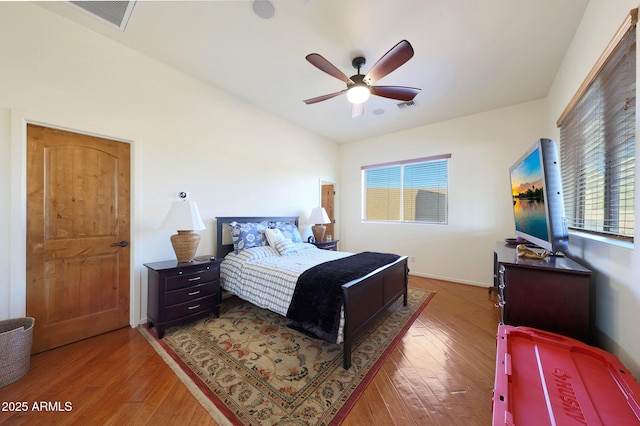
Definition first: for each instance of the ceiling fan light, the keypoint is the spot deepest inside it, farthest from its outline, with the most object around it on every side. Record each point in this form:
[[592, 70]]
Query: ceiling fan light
[[358, 94]]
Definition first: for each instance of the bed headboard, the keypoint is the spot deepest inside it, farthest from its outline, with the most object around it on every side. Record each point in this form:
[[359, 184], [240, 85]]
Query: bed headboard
[[224, 243]]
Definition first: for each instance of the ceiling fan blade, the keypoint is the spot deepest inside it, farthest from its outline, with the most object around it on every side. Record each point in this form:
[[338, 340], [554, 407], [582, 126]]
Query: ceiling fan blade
[[395, 92], [398, 55], [324, 97], [323, 65], [357, 110]]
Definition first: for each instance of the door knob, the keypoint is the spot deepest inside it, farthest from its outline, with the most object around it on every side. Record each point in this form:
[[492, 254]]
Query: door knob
[[120, 244]]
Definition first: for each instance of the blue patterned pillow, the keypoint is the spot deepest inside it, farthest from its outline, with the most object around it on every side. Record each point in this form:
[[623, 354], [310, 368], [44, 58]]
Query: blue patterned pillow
[[247, 235], [290, 231]]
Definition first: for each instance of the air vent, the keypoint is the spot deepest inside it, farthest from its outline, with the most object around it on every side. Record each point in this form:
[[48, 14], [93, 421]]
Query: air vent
[[408, 104], [116, 13]]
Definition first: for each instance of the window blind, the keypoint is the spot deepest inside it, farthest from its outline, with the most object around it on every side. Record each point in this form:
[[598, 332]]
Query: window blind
[[382, 193], [597, 144], [406, 191]]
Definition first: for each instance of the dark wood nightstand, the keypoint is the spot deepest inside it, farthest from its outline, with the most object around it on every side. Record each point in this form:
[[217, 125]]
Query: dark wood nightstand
[[327, 245], [182, 291]]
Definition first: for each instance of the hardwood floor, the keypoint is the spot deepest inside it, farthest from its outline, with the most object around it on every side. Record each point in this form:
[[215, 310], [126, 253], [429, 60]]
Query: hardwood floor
[[441, 373]]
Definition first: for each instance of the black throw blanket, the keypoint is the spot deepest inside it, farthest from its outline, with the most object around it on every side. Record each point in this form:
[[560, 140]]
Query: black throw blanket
[[317, 298]]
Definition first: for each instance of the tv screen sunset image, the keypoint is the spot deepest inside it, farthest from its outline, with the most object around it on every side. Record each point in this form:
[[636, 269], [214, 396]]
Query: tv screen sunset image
[[528, 197]]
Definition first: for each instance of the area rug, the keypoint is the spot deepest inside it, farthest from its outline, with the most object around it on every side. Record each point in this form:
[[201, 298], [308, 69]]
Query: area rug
[[248, 368]]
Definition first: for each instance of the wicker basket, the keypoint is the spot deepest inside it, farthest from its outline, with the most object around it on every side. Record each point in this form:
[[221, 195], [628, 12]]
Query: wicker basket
[[15, 348]]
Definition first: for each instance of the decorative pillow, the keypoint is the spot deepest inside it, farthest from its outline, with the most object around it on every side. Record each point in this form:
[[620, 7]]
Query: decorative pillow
[[286, 247], [290, 231], [273, 236], [247, 235], [257, 253]]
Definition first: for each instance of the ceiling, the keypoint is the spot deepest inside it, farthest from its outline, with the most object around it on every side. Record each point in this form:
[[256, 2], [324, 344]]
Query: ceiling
[[470, 55]]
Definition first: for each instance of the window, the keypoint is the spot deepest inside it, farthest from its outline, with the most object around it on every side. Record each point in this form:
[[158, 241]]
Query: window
[[406, 191], [598, 145]]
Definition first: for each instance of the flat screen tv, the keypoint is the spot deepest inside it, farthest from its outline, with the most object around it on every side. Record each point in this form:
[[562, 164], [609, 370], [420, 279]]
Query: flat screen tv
[[538, 207]]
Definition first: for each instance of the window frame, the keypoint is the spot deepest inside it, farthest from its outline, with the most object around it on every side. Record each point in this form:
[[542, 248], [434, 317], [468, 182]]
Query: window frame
[[402, 189]]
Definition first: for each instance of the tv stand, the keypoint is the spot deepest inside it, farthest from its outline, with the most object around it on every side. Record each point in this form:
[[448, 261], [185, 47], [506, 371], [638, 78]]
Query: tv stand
[[550, 294]]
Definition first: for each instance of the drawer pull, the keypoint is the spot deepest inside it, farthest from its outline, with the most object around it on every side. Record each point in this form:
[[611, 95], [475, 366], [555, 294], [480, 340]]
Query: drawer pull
[[193, 293], [194, 278], [193, 307]]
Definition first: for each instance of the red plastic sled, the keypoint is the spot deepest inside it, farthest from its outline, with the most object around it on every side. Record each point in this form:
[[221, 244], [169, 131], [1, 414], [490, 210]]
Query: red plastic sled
[[544, 378]]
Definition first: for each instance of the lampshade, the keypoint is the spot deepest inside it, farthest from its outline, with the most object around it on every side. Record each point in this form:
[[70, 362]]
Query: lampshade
[[358, 93], [319, 215], [184, 217]]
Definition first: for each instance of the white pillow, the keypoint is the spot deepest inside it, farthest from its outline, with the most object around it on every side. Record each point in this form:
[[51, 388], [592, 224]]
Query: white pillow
[[273, 236], [285, 247], [256, 253]]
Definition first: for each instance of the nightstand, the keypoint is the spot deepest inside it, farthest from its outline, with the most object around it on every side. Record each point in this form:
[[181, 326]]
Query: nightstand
[[180, 292], [327, 245]]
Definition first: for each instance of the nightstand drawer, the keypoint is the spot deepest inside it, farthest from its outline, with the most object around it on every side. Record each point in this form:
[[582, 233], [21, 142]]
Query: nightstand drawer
[[193, 307], [191, 293], [193, 278], [327, 245]]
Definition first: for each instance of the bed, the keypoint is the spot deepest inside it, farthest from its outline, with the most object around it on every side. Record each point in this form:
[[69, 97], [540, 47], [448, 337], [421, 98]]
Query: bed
[[364, 298]]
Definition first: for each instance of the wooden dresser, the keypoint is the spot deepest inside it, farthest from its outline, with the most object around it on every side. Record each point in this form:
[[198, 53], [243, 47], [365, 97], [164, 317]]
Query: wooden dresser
[[179, 292], [550, 294]]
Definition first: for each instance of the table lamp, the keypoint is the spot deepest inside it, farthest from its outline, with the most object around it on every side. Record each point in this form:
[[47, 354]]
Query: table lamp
[[184, 217], [319, 217]]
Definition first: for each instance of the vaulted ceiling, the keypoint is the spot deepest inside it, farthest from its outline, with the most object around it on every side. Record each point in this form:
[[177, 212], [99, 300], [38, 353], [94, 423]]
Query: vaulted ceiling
[[470, 56]]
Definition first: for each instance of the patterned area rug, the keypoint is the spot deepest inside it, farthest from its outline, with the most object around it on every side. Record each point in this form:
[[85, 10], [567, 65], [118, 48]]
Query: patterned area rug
[[257, 371]]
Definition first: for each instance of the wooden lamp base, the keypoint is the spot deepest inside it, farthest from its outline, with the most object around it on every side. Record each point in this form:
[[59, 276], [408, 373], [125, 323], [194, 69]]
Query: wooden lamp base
[[318, 232], [185, 244]]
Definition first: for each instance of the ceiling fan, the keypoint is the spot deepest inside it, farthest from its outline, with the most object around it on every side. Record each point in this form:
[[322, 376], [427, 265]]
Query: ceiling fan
[[359, 86]]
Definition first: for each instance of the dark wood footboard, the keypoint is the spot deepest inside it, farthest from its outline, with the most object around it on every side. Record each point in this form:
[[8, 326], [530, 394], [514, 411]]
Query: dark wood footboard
[[366, 298]]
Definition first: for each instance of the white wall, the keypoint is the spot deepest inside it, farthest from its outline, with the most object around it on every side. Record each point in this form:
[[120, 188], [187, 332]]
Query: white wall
[[5, 196], [232, 158], [616, 269], [482, 148]]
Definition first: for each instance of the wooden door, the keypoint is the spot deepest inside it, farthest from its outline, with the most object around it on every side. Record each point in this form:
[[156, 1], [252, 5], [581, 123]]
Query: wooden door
[[77, 214], [328, 194]]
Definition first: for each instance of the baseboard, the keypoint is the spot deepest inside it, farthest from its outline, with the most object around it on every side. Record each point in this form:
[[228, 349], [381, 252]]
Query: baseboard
[[453, 280]]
